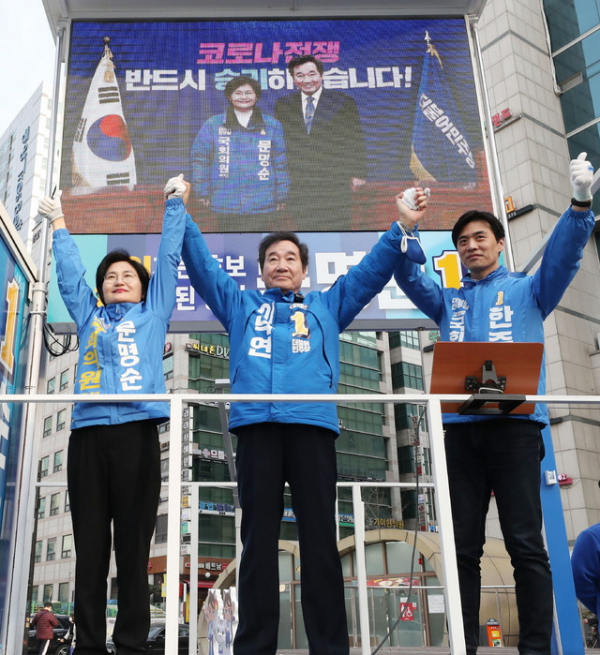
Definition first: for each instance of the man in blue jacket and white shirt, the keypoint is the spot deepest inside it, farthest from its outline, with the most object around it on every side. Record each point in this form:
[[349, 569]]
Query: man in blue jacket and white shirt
[[503, 455], [284, 342]]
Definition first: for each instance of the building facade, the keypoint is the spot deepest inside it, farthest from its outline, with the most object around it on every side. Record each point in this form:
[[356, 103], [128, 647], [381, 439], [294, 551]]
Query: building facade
[[539, 66], [24, 153]]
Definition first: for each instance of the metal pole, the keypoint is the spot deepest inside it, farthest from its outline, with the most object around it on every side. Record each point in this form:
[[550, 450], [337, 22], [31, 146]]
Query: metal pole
[[444, 514], [174, 527], [194, 534], [221, 384], [33, 541], [358, 509], [498, 193]]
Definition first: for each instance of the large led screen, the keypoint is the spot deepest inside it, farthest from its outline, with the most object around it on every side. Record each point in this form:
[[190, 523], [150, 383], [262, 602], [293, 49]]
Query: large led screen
[[386, 104], [331, 255]]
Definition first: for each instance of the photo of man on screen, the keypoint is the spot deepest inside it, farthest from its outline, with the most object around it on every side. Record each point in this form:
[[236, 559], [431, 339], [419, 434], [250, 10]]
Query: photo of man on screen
[[325, 145]]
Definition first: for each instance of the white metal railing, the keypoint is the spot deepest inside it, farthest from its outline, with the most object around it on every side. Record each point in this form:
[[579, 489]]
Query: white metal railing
[[440, 477], [358, 513]]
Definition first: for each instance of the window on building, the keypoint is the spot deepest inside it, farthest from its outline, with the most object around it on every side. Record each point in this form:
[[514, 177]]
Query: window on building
[[217, 535], [63, 595], [61, 419], [168, 366], [160, 536], [575, 38], [37, 557], [47, 426], [406, 338], [44, 466], [164, 469], [67, 546], [408, 500], [51, 549], [50, 385], [406, 459], [164, 427], [426, 461], [41, 513], [64, 380], [67, 502], [368, 339], [58, 461], [207, 419], [54, 504], [361, 467], [204, 369], [431, 513], [403, 413], [158, 583], [409, 375], [48, 592], [35, 590]]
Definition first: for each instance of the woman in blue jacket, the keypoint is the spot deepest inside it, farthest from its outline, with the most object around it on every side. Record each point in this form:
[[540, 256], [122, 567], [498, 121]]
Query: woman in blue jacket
[[239, 166], [114, 458]]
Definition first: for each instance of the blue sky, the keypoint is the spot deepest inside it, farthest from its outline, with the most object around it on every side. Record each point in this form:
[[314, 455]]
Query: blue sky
[[28, 50]]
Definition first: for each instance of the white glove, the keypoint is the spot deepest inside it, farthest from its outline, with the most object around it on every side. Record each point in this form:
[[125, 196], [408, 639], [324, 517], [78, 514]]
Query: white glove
[[409, 197], [50, 208], [582, 175], [175, 188]]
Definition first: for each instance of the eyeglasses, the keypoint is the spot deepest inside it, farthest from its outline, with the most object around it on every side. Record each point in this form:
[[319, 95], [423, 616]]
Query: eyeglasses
[[128, 277]]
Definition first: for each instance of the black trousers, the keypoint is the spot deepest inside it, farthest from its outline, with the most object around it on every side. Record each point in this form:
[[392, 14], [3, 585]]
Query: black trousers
[[268, 455], [114, 477], [503, 456]]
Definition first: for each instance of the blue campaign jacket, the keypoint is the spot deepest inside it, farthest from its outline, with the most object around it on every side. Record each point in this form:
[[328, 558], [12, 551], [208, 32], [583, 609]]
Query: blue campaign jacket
[[121, 345], [240, 170], [279, 343], [503, 306]]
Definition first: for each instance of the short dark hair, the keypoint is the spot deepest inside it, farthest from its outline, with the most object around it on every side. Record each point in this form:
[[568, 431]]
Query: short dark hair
[[276, 237], [240, 80], [475, 215], [304, 59], [48, 604], [120, 255]]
